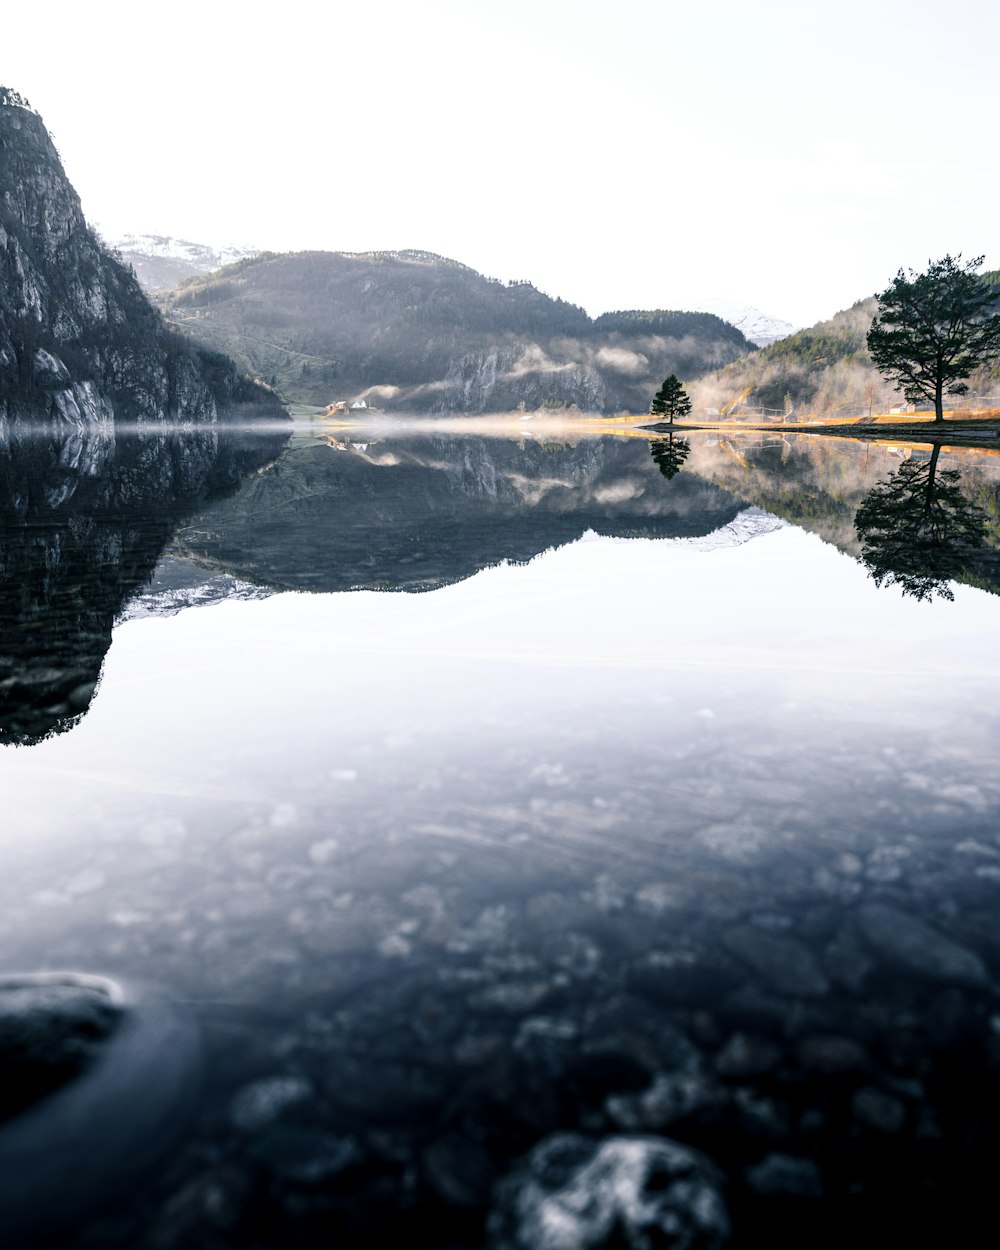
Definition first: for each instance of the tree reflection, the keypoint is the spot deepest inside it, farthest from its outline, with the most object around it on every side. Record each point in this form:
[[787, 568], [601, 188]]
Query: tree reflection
[[669, 454], [917, 529]]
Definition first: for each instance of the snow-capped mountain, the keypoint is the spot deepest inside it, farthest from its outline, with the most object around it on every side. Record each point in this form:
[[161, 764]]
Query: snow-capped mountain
[[759, 327], [161, 261]]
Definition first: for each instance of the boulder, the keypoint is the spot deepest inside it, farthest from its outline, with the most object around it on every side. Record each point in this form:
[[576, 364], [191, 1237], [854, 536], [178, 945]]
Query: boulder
[[576, 1193]]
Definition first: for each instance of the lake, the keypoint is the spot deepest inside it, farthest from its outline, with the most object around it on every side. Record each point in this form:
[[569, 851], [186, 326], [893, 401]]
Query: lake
[[523, 837]]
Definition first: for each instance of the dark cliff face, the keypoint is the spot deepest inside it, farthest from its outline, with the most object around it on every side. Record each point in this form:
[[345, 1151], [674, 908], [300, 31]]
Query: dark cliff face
[[79, 341], [84, 516]]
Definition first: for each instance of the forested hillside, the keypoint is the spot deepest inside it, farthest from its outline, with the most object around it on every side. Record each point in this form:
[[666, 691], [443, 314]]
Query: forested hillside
[[412, 331], [824, 371]]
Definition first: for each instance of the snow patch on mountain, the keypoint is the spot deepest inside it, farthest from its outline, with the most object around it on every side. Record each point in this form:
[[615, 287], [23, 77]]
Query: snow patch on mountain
[[201, 256], [160, 260], [759, 327]]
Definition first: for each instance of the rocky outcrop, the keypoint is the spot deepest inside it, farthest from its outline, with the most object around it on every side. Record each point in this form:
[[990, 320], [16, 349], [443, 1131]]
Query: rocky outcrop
[[80, 344], [503, 377]]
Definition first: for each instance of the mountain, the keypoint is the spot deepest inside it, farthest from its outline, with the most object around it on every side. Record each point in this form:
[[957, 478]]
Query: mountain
[[822, 371], [161, 261], [79, 340], [413, 331], [759, 327]]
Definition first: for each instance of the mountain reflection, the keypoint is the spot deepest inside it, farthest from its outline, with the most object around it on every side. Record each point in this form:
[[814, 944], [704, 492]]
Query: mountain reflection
[[918, 530], [415, 513], [84, 516]]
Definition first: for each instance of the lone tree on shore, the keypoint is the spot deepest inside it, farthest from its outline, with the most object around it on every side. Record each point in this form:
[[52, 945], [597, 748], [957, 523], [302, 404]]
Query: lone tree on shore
[[933, 329], [670, 401]]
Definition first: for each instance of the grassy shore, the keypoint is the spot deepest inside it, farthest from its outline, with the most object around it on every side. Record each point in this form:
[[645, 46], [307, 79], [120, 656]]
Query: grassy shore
[[975, 428]]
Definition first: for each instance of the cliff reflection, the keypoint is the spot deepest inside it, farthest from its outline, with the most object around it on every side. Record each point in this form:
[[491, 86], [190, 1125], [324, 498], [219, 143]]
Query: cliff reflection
[[917, 529], [84, 516]]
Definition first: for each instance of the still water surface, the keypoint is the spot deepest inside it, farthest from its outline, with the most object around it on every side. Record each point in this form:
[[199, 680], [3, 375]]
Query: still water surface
[[465, 791]]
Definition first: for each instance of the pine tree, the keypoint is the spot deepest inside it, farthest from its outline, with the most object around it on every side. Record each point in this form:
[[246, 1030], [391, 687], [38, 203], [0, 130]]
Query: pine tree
[[670, 400]]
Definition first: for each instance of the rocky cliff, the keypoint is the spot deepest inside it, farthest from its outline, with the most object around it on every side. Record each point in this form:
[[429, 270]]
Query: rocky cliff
[[79, 341]]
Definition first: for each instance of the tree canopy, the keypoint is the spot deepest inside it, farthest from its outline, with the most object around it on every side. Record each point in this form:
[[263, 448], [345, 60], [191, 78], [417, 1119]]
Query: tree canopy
[[934, 328], [670, 401]]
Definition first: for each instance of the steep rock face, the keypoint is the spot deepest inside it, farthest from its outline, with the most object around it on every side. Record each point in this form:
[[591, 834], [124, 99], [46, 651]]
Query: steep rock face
[[79, 342], [499, 378]]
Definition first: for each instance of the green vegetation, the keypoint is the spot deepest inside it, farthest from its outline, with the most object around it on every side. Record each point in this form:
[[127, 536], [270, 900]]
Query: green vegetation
[[933, 330]]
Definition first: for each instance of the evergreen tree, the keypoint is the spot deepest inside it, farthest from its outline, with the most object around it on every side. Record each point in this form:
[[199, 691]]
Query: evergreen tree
[[670, 400], [933, 329]]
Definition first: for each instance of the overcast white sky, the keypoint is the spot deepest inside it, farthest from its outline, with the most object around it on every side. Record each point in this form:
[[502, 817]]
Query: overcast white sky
[[631, 154]]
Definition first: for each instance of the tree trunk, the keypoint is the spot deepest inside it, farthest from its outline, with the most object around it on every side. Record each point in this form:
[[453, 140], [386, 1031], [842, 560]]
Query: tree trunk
[[939, 402], [931, 471]]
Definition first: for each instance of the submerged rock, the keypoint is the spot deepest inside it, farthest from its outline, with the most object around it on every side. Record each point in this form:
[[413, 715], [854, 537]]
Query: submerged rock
[[265, 1100], [93, 1137], [785, 1176], [51, 1027], [573, 1193], [908, 943], [783, 962]]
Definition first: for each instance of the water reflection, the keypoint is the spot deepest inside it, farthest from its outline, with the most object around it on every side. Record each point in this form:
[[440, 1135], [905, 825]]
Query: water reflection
[[84, 518], [419, 512], [916, 516], [669, 454], [918, 530]]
